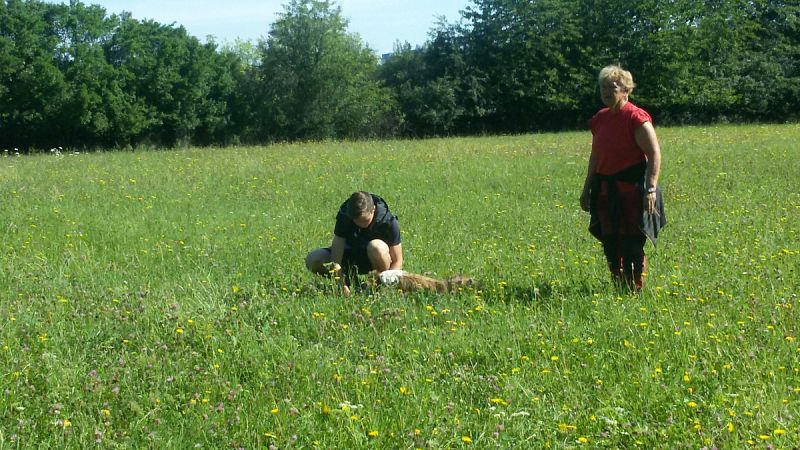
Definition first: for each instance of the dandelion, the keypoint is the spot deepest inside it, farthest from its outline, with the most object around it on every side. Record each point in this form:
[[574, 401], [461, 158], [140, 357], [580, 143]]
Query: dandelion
[[466, 439], [404, 390], [564, 427], [373, 433], [779, 432], [692, 404], [583, 440]]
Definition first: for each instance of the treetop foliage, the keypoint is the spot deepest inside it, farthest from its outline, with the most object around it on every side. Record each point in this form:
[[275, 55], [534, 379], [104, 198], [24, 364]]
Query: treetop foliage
[[73, 76]]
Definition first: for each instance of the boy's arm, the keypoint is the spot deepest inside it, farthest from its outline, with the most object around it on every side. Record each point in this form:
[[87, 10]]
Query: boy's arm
[[337, 251], [396, 254]]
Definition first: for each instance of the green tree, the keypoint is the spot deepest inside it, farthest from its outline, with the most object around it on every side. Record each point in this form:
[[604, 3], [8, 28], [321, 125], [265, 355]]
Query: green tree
[[246, 99], [178, 87], [530, 55], [768, 82], [319, 81], [32, 88], [701, 61], [86, 119], [437, 92]]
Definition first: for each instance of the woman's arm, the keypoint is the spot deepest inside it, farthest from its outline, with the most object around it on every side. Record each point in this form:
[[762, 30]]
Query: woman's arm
[[646, 139], [587, 183]]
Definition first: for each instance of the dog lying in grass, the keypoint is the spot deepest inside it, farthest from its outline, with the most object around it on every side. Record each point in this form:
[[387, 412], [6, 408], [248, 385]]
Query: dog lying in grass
[[412, 282], [404, 281]]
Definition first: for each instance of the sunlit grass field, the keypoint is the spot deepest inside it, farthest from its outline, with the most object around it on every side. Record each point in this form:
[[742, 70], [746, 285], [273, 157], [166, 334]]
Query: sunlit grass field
[[159, 300]]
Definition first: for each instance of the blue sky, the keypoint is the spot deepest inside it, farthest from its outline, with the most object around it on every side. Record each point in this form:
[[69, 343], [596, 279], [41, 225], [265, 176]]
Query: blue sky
[[379, 22]]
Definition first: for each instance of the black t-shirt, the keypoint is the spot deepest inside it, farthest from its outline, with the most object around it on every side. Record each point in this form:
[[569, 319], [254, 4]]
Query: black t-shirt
[[384, 226]]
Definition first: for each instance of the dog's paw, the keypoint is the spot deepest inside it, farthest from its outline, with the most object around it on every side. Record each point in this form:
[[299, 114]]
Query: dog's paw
[[390, 277]]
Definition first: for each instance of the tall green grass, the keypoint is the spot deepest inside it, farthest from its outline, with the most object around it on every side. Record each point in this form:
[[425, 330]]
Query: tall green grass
[[159, 299]]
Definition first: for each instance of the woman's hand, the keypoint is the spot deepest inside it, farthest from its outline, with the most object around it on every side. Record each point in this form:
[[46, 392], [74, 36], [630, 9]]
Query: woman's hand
[[585, 200], [649, 202]]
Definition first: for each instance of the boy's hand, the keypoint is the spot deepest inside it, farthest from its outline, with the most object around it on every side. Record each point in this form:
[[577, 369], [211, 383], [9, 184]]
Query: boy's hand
[[333, 268], [335, 271]]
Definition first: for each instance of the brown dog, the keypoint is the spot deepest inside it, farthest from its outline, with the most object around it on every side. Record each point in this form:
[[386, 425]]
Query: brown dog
[[412, 282]]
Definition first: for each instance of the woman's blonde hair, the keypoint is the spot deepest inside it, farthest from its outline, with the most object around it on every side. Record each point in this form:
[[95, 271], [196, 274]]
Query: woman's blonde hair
[[617, 74]]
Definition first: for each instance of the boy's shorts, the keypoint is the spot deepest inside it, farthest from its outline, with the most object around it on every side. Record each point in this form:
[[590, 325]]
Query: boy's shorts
[[355, 260]]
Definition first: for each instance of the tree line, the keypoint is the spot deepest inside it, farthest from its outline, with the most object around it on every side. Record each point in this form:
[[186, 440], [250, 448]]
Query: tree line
[[73, 76]]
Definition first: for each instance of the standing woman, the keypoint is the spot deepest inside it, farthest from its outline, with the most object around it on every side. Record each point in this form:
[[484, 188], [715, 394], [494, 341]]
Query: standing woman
[[621, 189]]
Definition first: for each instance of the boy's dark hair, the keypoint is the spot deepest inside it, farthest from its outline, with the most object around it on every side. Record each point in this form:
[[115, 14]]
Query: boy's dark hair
[[358, 204]]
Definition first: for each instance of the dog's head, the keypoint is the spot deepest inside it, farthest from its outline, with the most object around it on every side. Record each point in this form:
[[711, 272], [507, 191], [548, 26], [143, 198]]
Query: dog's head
[[457, 282]]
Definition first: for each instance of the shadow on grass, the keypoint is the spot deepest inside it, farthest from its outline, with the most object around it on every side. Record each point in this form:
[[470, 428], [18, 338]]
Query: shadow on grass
[[544, 291]]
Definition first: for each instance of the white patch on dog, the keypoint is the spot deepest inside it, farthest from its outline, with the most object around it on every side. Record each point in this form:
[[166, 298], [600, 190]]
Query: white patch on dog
[[391, 277]]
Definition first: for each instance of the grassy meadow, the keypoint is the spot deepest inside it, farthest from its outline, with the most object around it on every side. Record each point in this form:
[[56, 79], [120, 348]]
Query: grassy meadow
[[159, 300]]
